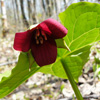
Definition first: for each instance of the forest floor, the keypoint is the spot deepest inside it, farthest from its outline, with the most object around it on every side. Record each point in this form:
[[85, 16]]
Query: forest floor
[[45, 86]]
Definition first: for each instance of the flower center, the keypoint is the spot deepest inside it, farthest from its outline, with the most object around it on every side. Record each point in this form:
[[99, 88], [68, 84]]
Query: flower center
[[40, 36]]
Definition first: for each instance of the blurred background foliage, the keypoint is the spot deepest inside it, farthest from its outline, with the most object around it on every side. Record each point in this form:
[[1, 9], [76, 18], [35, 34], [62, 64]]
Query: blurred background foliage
[[17, 15]]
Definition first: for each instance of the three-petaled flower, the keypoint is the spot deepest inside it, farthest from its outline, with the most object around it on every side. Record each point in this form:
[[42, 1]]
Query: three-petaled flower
[[41, 41]]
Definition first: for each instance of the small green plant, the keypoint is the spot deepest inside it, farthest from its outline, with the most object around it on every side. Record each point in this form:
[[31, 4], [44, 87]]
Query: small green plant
[[95, 54], [62, 87]]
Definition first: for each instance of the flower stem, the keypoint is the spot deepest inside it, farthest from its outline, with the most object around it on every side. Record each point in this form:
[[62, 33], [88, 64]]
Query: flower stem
[[71, 79]]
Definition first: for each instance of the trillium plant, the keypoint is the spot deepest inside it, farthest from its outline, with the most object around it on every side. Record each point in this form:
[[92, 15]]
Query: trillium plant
[[41, 41], [53, 48]]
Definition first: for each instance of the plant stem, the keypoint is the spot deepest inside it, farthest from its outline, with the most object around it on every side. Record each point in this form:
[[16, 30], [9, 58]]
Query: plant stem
[[71, 79]]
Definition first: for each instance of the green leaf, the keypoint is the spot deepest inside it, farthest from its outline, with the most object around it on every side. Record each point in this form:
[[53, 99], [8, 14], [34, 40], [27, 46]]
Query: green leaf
[[83, 23], [19, 74], [97, 60], [61, 44], [75, 60], [5, 74], [97, 71]]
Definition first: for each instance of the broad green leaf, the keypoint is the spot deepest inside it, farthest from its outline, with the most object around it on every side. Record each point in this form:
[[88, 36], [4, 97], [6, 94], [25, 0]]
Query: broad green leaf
[[82, 31], [19, 74], [5, 74], [74, 60], [62, 44], [83, 23]]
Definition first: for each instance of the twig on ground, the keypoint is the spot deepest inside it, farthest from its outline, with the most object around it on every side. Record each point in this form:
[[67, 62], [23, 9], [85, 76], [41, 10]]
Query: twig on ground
[[8, 63]]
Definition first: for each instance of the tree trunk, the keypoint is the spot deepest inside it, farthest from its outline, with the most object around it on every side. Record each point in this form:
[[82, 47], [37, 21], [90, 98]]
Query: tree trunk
[[23, 13], [17, 12], [65, 4], [29, 11], [34, 12], [43, 9], [14, 10], [49, 8], [56, 10], [55, 3], [4, 19], [43, 4]]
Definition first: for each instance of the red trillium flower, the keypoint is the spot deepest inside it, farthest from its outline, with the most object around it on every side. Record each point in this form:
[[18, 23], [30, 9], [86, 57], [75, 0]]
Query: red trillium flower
[[41, 41]]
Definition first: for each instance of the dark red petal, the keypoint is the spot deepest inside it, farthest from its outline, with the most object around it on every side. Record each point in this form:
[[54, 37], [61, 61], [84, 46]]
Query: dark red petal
[[22, 41], [54, 28], [45, 53]]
